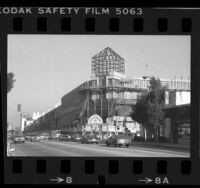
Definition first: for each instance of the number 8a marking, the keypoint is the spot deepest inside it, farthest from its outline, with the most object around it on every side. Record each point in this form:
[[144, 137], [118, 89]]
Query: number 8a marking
[[158, 180]]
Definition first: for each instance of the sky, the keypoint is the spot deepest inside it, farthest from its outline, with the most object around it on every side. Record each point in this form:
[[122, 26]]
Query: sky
[[46, 67]]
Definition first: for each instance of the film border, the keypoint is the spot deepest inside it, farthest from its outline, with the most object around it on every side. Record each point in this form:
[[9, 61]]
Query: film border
[[150, 28]]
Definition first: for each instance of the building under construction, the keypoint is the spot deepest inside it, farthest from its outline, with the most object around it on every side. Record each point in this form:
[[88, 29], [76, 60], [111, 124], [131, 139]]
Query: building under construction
[[108, 93]]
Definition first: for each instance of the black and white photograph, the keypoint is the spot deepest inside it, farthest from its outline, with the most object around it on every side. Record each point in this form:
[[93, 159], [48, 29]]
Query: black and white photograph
[[98, 95]]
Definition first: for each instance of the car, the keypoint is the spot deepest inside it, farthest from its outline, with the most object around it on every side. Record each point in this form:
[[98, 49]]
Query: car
[[90, 139], [118, 140], [63, 138], [9, 149], [137, 137], [42, 137], [51, 137], [46, 137], [76, 138], [19, 139], [27, 138], [35, 139], [70, 137]]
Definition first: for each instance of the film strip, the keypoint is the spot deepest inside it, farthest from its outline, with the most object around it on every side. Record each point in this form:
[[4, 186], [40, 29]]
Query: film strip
[[52, 153]]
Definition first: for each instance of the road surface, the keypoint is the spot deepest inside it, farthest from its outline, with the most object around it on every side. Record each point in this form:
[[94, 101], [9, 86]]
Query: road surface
[[55, 148]]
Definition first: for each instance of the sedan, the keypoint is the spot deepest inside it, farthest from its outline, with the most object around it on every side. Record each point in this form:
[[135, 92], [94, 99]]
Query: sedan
[[27, 137], [35, 139], [76, 138], [91, 140], [19, 139], [42, 137], [118, 141], [64, 138]]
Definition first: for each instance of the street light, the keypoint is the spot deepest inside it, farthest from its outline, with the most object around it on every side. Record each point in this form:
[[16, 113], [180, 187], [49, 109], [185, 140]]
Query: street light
[[146, 77]]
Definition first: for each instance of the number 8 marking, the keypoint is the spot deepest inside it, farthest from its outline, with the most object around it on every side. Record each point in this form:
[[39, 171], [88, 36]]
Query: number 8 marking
[[69, 180]]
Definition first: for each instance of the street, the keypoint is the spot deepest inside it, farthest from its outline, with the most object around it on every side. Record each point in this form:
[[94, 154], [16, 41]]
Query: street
[[55, 148]]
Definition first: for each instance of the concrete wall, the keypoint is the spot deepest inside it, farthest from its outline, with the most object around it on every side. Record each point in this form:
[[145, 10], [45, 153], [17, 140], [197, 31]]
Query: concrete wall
[[182, 97], [177, 97], [167, 128]]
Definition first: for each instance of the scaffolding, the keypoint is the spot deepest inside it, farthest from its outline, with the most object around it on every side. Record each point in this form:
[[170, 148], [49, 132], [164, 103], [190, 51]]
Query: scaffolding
[[138, 84], [107, 61]]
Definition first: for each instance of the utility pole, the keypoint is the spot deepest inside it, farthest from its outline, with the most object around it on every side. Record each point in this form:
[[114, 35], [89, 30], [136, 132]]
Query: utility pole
[[88, 104], [107, 129], [124, 115], [101, 103], [108, 116], [108, 103], [19, 106], [147, 70], [95, 102], [115, 124]]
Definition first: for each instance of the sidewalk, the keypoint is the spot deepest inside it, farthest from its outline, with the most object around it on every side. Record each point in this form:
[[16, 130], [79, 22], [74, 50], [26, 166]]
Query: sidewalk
[[176, 147]]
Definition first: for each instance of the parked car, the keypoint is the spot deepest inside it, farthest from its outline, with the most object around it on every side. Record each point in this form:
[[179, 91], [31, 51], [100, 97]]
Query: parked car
[[118, 140], [19, 139], [54, 137], [28, 138], [64, 138], [42, 137], [46, 137], [9, 149], [35, 139], [51, 137], [90, 139], [76, 138], [70, 137], [137, 137]]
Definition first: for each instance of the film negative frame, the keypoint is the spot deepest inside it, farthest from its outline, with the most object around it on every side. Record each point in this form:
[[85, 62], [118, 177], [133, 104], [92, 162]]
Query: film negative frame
[[107, 170]]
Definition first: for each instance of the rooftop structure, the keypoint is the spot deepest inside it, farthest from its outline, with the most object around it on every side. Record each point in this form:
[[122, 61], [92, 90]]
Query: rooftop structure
[[106, 61]]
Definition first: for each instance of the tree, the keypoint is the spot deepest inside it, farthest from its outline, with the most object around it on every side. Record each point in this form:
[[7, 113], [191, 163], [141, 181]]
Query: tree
[[149, 108], [10, 81], [140, 114], [156, 104], [140, 110]]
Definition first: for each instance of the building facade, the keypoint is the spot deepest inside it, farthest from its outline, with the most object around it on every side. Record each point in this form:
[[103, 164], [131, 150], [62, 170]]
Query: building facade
[[110, 94]]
